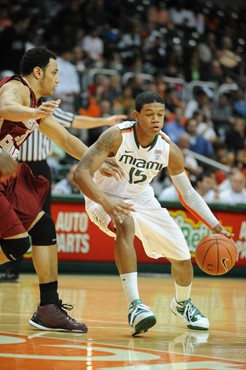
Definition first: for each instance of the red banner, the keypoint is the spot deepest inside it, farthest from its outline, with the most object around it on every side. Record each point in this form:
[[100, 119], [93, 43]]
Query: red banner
[[80, 240]]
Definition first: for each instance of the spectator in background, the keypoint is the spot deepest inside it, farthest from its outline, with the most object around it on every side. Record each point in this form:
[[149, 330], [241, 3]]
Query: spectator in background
[[206, 49], [125, 102], [240, 160], [78, 61], [13, 41], [160, 85], [172, 101], [205, 127], [191, 164], [176, 127], [105, 107], [224, 182], [92, 44], [198, 143], [236, 135], [114, 88], [66, 186], [239, 104], [71, 12], [222, 114], [193, 68], [169, 194], [130, 41], [69, 86], [222, 109], [155, 50], [206, 186], [235, 193], [200, 103], [227, 57], [214, 73], [222, 155], [182, 16]]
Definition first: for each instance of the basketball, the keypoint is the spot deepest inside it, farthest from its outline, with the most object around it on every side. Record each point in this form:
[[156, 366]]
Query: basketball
[[216, 254]]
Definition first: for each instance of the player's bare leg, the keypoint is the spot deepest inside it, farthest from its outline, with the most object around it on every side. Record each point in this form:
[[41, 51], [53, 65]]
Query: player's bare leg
[[182, 272], [181, 305], [140, 317]]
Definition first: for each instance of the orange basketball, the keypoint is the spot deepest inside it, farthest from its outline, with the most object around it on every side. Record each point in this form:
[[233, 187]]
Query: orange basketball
[[216, 254]]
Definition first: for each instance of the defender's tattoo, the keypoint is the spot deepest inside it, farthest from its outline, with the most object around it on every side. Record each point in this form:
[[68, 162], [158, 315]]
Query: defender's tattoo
[[15, 94]]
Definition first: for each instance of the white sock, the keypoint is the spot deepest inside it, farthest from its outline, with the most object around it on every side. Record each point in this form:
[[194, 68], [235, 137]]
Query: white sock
[[130, 286], [182, 292]]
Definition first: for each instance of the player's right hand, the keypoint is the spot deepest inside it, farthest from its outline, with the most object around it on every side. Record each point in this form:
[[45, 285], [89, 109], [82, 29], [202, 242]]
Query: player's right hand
[[116, 208], [8, 166], [47, 108]]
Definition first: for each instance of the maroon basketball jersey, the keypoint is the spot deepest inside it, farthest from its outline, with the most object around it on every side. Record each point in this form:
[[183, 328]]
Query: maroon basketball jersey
[[13, 134]]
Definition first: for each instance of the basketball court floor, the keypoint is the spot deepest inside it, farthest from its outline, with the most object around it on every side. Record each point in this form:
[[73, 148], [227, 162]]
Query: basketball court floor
[[99, 302]]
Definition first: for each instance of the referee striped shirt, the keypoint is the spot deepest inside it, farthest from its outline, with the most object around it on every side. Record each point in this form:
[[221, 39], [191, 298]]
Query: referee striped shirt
[[37, 147]]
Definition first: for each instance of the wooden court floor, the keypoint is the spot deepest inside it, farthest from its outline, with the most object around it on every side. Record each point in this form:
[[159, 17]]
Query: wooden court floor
[[99, 301]]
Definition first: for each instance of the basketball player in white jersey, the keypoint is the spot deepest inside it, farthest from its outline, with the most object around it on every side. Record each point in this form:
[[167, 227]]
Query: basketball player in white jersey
[[141, 149]]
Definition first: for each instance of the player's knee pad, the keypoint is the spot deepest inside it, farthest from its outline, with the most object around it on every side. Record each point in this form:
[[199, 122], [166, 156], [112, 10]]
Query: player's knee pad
[[43, 232], [15, 248]]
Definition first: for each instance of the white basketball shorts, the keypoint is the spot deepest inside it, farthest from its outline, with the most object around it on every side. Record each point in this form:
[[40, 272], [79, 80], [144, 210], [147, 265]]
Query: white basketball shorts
[[159, 233]]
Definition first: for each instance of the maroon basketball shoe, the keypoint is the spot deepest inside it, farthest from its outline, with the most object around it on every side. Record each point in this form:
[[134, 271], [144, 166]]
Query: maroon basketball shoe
[[54, 317]]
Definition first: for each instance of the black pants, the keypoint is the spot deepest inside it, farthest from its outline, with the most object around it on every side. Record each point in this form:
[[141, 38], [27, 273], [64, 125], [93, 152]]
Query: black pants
[[38, 168]]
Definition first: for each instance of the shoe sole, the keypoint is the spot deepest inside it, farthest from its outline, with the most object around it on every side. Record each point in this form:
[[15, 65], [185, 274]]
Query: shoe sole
[[196, 327], [36, 325], [191, 326], [144, 325]]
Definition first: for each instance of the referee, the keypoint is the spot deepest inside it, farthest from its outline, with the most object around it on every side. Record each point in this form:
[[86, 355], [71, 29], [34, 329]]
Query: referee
[[34, 152]]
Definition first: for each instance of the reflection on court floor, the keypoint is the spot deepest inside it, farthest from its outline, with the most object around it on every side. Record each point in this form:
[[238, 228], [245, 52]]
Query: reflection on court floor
[[100, 303]]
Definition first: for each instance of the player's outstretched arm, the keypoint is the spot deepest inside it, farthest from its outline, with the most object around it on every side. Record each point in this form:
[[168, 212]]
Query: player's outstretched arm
[[57, 133], [91, 122], [72, 145], [188, 196]]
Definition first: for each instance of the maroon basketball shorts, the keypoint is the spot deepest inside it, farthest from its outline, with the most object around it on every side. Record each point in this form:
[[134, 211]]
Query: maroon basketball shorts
[[21, 200]]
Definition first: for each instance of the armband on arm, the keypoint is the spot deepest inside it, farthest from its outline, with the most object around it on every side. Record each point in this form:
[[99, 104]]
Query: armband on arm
[[192, 201]]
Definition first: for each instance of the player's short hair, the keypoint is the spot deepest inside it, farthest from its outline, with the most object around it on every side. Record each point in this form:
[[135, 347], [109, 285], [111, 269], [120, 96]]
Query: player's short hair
[[147, 97], [35, 57]]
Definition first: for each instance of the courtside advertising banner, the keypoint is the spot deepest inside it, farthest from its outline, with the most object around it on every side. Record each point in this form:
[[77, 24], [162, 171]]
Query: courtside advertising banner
[[80, 240]]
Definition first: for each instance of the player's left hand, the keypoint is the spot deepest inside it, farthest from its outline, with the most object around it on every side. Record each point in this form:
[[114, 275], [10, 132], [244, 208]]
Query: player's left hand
[[111, 169], [221, 230], [113, 120]]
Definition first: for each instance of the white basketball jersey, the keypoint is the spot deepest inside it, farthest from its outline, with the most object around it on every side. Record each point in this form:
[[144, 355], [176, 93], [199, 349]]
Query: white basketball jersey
[[139, 164]]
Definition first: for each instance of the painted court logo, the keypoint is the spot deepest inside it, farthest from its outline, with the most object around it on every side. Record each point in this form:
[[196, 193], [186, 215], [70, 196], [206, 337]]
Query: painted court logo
[[40, 352]]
